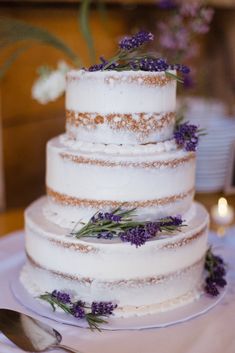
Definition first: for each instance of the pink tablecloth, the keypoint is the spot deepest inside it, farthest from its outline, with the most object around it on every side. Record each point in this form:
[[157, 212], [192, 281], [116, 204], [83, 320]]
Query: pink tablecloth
[[210, 333]]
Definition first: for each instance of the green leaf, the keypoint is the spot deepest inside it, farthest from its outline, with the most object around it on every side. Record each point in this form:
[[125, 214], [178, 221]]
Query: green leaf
[[11, 59], [14, 31], [177, 78], [85, 27], [102, 9]]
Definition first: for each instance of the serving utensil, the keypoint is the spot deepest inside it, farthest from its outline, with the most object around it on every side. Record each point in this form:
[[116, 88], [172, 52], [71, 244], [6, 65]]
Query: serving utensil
[[30, 334]]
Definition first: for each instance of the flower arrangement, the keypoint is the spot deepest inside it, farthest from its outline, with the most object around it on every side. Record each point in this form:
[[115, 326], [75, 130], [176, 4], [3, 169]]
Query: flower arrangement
[[179, 35], [94, 314], [118, 223]]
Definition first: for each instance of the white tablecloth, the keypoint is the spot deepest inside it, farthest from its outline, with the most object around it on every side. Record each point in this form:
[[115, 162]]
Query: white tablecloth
[[213, 332]]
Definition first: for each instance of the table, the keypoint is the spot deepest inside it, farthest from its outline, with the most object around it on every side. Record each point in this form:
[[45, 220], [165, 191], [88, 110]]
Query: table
[[11, 220]]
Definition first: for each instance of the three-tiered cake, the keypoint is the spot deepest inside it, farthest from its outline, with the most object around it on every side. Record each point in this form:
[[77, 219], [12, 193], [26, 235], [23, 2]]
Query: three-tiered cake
[[118, 151]]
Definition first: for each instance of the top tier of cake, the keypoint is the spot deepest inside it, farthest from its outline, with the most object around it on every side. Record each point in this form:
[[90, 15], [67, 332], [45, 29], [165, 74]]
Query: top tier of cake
[[128, 107]]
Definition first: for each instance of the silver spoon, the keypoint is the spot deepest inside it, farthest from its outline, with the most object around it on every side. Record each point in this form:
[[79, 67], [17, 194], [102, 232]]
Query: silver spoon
[[30, 334]]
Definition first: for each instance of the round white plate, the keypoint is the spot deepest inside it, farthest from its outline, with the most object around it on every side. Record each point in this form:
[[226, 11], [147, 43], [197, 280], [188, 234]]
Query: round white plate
[[159, 320]]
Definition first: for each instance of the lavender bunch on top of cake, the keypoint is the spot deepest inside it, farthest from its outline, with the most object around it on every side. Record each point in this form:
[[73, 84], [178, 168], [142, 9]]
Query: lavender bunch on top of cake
[[119, 154]]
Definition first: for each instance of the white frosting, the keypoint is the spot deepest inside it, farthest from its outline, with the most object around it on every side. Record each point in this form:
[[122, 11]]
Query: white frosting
[[108, 264], [117, 183], [123, 183], [124, 149], [68, 216], [112, 92], [146, 299], [107, 92], [104, 134]]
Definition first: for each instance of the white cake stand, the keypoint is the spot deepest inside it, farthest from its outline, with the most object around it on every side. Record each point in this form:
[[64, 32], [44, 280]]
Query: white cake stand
[[159, 320]]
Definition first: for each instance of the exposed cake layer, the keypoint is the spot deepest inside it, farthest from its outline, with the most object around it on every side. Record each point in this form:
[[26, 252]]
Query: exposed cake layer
[[80, 182], [162, 270], [128, 107]]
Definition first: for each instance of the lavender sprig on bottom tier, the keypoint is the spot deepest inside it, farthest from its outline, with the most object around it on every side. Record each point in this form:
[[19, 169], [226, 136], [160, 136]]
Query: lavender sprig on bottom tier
[[118, 223], [94, 314]]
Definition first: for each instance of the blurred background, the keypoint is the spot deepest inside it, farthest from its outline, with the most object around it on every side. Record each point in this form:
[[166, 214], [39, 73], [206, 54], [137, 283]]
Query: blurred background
[[200, 35]]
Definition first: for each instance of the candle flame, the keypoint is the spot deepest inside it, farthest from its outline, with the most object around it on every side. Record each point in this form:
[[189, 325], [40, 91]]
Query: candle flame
[[222, 206]]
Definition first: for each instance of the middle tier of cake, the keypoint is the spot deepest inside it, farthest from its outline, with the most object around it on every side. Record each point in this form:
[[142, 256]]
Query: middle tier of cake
[[83, 178]]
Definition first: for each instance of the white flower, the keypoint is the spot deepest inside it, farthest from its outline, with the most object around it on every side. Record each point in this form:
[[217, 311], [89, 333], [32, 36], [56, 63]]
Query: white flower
[[51, 85]]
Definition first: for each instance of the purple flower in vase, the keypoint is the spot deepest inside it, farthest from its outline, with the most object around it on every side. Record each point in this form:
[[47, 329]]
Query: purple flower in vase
[[207, 14], [198, 26], [189, 9]]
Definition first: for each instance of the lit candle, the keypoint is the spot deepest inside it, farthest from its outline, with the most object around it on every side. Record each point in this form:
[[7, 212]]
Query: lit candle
[[222, 213]]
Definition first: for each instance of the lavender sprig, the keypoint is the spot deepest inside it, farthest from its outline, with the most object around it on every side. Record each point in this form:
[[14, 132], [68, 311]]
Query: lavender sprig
[[137, 40], [130, 57], [120, 224], [216, 269], [94, 314], [187, 136]]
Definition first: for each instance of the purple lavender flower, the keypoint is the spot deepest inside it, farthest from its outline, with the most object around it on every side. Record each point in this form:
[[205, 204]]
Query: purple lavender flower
[[99, 67], [137, 40], [106, 216], [219, 272], [96, 67], [221, 282], [152, 64], [136, 236], [102, 308], [186, 136], [172, 221], [211, 289], [62, 297], [216, 271], [181, 68], [78, 310], [218, 259], [105, 235], [152, 228]]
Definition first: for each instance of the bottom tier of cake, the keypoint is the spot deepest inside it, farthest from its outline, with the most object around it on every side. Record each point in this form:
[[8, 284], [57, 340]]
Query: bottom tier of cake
[[164, 273]]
